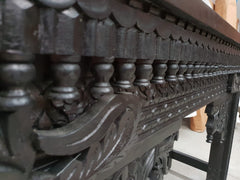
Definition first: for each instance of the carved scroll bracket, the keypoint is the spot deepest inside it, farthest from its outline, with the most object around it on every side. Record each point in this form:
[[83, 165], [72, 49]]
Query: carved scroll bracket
[[234, 83], [217, 119], [96, 136]]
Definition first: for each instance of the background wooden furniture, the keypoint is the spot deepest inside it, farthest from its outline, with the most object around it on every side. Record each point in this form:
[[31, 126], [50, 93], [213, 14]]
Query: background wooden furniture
[[227, 9], [198, 122]]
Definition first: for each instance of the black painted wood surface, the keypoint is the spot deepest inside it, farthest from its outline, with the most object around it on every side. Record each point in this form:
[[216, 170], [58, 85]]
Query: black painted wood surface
[[97, 89]]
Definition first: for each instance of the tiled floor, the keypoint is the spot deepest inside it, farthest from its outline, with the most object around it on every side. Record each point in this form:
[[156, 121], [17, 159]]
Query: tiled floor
[[194, 143]]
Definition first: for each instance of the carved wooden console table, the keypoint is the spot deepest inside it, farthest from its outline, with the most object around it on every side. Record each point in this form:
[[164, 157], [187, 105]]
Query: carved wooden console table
[[97, 89]]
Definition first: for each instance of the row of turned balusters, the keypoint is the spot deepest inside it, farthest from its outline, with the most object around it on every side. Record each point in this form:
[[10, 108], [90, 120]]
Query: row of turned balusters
[[17, 71], [129, 72]]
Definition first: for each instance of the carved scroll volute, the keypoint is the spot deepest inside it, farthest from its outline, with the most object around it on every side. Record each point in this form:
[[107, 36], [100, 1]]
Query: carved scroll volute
[[103, 71], [66, 72], [93, 138], [16, 71]]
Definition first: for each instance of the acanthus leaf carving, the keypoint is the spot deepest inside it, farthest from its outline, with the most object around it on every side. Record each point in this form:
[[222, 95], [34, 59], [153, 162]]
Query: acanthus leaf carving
[[152, 165], [106, 139]]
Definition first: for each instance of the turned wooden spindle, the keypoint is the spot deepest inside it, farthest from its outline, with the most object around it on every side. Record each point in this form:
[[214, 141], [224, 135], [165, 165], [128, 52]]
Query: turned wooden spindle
[[124, 73], [224, 69], [159, 71], [143, 72], [188, 73], [196, 70], [182, 69], [172, 71], [220, 69], [211, 70], [215, 69], [202, 69], [16, 72], [231, 69], [206, 70], [66, 72], [238, 69], [228, 68], [103, 71]]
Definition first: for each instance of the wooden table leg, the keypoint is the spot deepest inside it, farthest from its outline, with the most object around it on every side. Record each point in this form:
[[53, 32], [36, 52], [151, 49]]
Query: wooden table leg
[[222, 143]]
